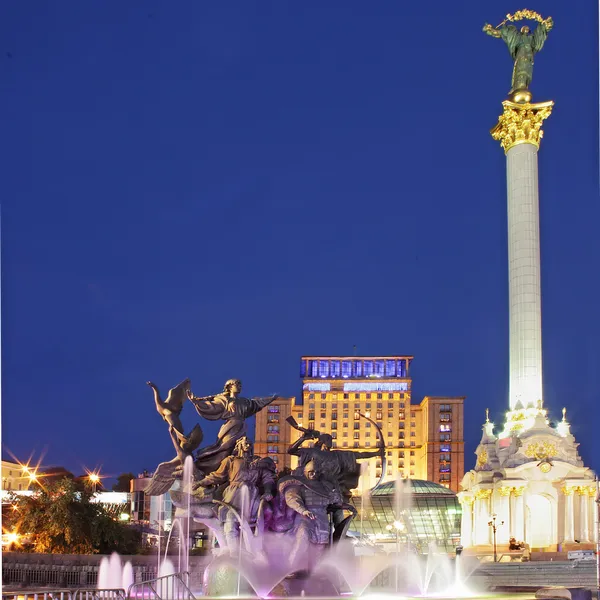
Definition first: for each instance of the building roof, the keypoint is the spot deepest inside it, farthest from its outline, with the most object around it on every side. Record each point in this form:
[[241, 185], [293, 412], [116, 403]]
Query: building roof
[[418, 486]]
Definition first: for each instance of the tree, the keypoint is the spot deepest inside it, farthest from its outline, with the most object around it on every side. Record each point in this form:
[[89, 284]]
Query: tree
[[59, 519], [122, 484]]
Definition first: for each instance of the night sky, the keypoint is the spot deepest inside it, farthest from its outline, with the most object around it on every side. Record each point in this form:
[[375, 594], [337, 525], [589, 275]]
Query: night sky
[[211, 190]]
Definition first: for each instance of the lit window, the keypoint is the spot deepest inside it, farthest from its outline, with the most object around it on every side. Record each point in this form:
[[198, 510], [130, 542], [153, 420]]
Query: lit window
[[273, 409]]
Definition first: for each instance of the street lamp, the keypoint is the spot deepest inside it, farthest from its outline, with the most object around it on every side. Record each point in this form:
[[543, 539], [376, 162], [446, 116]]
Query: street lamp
[[492, 524], [94, 479]]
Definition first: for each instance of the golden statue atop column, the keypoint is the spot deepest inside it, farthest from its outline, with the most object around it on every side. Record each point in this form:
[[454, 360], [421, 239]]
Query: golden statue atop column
[[521, 120]]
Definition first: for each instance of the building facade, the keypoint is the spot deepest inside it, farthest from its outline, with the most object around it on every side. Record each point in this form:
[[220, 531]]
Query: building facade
[[423, 441], [272, 434], [15, 477]]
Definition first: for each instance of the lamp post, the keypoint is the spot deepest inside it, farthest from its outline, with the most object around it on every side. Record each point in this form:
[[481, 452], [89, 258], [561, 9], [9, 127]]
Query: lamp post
[[492, 524]]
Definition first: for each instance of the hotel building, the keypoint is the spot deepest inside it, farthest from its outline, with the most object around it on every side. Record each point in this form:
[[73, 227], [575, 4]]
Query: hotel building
[[273, 435], [423, 441]]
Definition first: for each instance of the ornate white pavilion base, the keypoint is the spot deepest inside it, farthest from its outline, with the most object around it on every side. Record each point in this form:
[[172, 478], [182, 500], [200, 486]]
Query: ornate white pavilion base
[[535, 483]]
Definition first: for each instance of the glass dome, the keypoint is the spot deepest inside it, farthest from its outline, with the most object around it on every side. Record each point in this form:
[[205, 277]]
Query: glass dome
[[427, 514]]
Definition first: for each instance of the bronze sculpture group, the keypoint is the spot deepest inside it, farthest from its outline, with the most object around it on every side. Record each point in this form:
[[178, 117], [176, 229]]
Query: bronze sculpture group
[[240, 496]]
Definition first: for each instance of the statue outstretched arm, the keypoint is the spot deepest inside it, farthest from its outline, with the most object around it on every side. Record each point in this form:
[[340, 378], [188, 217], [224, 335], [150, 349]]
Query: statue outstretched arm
[[539, 36], [371, 454], [209, 407], [490, 30], [257, 404], [294, 449]]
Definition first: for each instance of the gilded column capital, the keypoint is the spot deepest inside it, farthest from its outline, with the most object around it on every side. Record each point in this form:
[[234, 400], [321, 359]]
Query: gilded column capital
[[518, 491], [483, 494], [468, 500], [505, 490], [567, 490], [521, 123]]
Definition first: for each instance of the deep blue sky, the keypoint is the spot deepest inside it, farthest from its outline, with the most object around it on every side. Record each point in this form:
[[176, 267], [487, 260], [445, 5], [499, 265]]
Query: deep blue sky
[[211, 190]]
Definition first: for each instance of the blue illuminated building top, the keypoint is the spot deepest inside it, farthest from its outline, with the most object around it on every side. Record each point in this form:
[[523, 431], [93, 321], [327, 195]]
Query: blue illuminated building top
[[355, 367]]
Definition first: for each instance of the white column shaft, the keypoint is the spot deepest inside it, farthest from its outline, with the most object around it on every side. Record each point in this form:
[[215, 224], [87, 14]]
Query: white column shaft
[[525, 315], [569, 520], [585, 518], [513, 516], [466, 529], [520, 518]]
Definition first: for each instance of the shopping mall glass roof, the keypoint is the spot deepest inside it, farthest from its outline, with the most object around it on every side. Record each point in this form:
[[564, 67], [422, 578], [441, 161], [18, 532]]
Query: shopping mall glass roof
[[418, 486], [426, 513]]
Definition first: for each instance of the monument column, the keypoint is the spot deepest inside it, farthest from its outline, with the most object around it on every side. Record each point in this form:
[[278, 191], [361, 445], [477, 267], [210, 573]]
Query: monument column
[[519, 132]]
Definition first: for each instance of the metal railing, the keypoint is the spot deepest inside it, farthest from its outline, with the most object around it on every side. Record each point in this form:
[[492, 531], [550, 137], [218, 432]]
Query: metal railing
[[65, 594], [169, 587]]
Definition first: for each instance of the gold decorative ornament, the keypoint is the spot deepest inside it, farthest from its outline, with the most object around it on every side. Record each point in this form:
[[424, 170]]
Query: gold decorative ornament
[[483, 494], [567, 490], [505, 491], [541, 450], [545, 467], [518, 491], [482, 458], [521, 124], [469, 500], [531, 15]]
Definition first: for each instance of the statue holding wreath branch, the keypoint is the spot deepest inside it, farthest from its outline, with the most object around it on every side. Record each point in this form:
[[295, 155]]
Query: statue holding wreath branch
[[522, 46]]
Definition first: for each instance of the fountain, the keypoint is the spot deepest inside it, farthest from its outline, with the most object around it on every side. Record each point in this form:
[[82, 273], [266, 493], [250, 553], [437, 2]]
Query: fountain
[[286, 535]]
